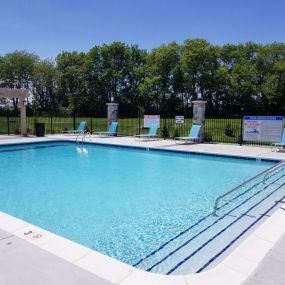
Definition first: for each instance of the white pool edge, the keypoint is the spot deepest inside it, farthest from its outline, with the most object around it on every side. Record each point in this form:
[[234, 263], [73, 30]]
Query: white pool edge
[[234, 269]]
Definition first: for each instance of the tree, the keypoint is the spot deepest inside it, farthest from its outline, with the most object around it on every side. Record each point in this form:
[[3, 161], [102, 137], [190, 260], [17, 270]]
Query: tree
[[200, 63], [72, 88], [162, 66], [45, 86], [270, 64], [165, 80], [16, 71]]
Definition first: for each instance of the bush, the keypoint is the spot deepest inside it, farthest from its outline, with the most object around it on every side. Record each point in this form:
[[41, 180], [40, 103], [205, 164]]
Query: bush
[[208, 137], [175, 134], [165, 132], [228, 131]]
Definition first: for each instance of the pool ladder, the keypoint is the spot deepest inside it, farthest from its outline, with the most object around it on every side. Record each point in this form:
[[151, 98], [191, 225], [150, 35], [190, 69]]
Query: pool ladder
[[83, 139]]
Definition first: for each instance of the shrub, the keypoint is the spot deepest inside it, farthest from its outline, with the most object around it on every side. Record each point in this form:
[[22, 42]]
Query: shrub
[[165, 132], [208, 137], [175, 134], [228, 131]]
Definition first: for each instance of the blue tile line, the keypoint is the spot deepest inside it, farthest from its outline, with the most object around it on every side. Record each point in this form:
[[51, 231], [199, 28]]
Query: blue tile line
[[205, 229], [219, 233], [239, 236], [28, 148], [198, 222], [146, 148], [50, 142]]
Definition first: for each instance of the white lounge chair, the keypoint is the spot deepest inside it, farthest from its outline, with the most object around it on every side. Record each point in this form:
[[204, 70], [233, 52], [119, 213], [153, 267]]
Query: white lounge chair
[[280, 144], [152, 134], [111, 132], [193, 135], [82, 128]]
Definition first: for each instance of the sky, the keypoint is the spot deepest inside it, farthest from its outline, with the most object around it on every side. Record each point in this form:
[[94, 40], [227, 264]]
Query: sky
[[48, 27]]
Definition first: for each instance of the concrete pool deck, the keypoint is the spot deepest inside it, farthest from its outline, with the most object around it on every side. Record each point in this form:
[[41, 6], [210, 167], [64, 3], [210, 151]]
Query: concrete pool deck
[[35, 258], [24, 263], [212, 148]]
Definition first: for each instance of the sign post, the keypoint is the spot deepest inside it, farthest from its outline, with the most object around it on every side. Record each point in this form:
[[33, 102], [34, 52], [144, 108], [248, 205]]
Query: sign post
[[262, 128]]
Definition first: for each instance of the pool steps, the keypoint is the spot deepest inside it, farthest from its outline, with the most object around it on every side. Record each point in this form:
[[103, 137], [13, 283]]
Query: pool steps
[[184, 253]]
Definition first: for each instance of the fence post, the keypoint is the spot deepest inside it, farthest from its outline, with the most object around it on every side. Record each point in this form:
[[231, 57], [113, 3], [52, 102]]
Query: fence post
[[34, 124], [139, 113], [8, 125], [51, 124], [91, 125], [74, 120], [241, 127]]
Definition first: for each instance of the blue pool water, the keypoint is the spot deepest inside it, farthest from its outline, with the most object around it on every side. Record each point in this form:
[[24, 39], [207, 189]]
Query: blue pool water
[[122, 202]]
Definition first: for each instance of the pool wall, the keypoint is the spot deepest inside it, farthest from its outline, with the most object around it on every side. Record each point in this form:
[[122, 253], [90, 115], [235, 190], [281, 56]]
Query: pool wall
[[234, 269]]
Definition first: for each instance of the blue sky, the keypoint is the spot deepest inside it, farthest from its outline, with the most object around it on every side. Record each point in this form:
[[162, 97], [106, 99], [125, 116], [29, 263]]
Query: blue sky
[[47, 27]]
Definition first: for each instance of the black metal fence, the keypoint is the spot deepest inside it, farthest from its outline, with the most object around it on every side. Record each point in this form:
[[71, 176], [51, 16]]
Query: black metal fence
[[227, 129], [224, 129]]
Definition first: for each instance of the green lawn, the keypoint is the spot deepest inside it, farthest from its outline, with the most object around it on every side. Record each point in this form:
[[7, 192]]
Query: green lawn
[[214, 128]]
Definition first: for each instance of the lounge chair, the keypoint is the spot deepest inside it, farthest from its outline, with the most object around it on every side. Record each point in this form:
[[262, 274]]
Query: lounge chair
[[111, 132], [280, 144], [193, 135], [152, 134], [82, 128]]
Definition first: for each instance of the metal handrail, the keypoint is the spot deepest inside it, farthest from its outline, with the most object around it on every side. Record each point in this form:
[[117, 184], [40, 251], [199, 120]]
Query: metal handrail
[[83, 137], [265, 172], [77, 138], [83, 134]]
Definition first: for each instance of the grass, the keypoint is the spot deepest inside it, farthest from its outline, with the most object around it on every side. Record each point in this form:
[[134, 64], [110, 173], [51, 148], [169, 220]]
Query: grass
[[214, 127]]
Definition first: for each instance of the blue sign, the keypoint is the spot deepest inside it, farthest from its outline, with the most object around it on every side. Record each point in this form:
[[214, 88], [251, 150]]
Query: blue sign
[[262, 128], [270, 118]]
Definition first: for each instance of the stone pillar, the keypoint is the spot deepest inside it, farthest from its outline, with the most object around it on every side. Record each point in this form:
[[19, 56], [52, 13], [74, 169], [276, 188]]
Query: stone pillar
[[112, 112], [199, 108], [23, 122]]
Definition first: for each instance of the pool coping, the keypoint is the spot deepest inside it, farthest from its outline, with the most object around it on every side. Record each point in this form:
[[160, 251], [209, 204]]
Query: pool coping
[[233, 269], [156, 148]]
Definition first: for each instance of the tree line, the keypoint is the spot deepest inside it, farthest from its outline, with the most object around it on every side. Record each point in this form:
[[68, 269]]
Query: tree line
[[247, 78]]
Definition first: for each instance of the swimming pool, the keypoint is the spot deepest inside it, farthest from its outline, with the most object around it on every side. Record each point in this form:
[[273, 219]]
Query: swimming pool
[[151, 209]]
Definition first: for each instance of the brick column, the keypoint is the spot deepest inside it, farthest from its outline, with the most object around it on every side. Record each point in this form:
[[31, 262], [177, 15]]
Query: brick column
[[112, 112], [199, 108]]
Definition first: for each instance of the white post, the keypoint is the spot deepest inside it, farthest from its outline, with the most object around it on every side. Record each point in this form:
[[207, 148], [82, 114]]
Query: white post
[[21, 94], [23, 122]]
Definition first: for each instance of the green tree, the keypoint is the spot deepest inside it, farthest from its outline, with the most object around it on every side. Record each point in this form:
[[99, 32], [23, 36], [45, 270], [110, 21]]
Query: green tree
[[45, 86], [162, 67], [16, 71], [71, 78], [115, 64], [200, 63], [270, 64]]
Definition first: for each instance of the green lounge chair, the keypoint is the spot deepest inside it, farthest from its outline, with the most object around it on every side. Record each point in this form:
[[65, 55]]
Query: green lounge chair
[[280, 144], [82, 128], [111, 132], [152, 134], [193, 135]]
